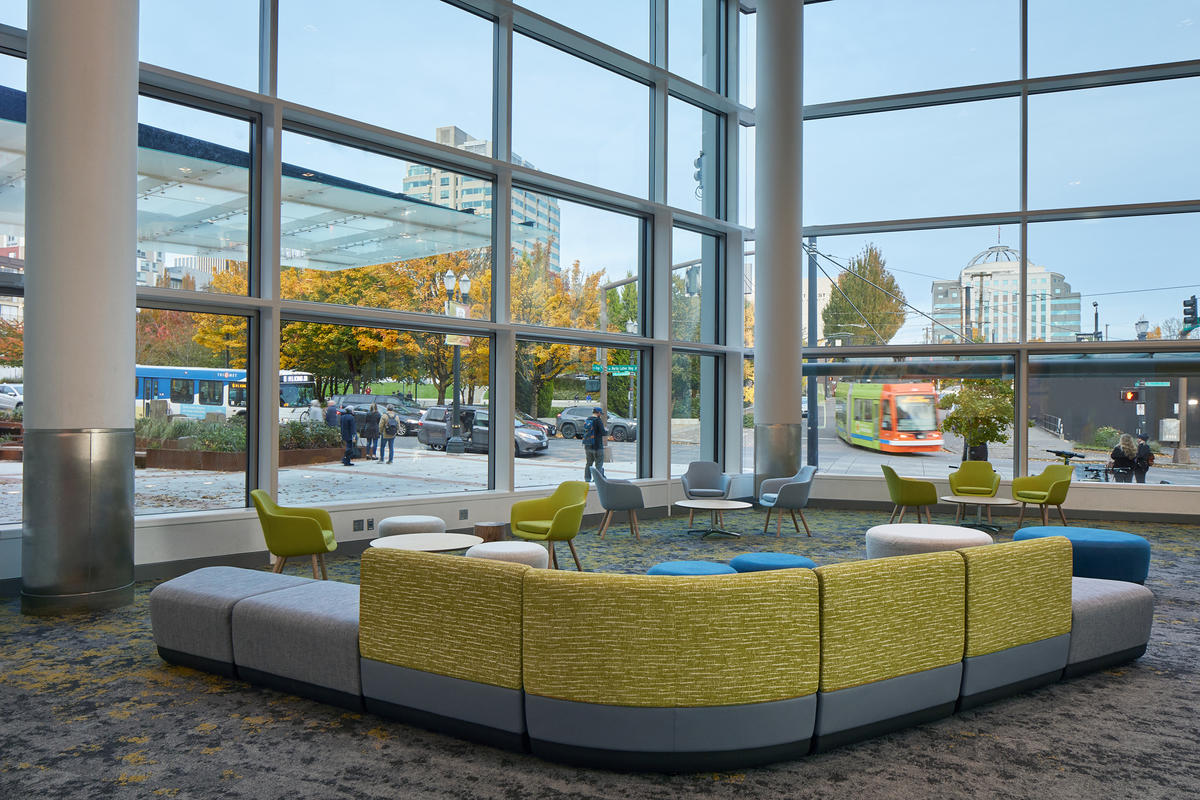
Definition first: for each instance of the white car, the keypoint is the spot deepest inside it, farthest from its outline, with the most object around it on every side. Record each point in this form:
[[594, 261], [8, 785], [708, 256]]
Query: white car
[[11, 395]]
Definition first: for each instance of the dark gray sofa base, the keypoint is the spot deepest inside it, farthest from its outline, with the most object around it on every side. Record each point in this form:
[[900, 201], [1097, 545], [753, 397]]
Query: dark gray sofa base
[[322, 694], [1103, 662], [1008, 690], [644, 761], [1013, 670], [438, 723], [828, 741], [182, 659]]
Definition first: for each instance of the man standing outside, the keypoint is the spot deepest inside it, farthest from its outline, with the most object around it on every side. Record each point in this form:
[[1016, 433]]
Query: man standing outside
[[593, 443], [331, 414], [389, 427], [1143, 459], [349, 430]]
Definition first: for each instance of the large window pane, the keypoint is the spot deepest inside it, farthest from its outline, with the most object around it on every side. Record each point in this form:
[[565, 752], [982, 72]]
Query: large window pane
[[1130, 277], [12, 263], [1067, 36], [1079, 403], [588, 279], [946, 286], [955, 159], [1140, 145], [696, 274], [413, 372], [193, 199], [369, 230], [578, 120], [416, 67], [192, 407], [625, 24], [747, 150], [868, 48], [694, 41], [695, 410], [693, 157], [174, 36], [919, 416], [747, 57], [558, 386]]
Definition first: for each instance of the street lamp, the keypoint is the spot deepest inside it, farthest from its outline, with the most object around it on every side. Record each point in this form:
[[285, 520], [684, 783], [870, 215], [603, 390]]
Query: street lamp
[[455, 444]]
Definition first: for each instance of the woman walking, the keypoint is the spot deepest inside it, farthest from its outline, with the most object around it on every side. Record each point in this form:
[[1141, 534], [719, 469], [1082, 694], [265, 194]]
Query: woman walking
[[1123, 459], [371, 432]]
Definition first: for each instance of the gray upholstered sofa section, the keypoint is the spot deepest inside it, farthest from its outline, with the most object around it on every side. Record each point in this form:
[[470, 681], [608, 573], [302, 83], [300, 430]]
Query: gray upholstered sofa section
[[303, 640], [192, 615], [859, 712], [1013, 670], [1110, 623]]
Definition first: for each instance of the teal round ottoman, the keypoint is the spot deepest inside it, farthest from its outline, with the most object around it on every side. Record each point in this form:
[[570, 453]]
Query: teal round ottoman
[[1097, 553], [690, 568], [758, 562]]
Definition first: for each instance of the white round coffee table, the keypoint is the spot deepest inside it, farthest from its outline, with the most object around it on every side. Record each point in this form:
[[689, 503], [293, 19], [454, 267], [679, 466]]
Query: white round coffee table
[[979, 502], [714, 506], [428, 542], [904, 539]]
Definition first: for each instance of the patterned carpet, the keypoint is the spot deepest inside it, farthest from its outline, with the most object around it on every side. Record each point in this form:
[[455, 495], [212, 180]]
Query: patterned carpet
[[90, 711]]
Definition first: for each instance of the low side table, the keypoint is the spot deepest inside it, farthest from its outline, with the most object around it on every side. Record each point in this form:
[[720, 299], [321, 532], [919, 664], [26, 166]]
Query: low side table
[[490, 531], [904, 538], [713, 506], [979, 501], [427, 542]]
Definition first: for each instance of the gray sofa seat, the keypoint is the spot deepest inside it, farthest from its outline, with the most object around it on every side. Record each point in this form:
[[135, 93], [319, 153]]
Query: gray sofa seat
[[1110, 623]]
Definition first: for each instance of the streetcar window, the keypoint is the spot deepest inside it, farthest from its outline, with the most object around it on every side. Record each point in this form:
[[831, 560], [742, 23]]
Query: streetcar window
[[182, 390], [210, 393], [915, 413], [886, 422]]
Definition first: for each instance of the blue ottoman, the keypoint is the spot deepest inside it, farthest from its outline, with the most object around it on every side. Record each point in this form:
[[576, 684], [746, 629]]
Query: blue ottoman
[[690, 568], [757, 562], [1096, 553]]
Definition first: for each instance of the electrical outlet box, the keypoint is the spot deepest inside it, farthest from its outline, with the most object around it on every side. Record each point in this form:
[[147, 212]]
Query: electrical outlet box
[[370, 523], [462, 513], [358, 524]]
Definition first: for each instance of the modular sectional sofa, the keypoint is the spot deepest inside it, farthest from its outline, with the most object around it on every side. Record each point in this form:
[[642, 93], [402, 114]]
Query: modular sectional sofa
[[659, 672]]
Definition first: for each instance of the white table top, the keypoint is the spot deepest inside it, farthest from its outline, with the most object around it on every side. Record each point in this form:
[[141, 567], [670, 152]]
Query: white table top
[[979, 500], [428, 542], [926, 531], [712, 504]]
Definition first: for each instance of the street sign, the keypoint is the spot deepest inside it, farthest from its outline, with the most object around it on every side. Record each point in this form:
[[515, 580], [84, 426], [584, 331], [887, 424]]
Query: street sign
[[459, 311], [1151, 383], [617, 369]]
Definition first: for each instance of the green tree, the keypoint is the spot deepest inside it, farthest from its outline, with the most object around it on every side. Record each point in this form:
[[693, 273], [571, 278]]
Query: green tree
[[981, 411], [859, 303]]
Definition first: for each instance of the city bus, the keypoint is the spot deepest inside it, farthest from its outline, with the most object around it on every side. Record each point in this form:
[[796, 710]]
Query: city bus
[[199, 391], [892, 417]]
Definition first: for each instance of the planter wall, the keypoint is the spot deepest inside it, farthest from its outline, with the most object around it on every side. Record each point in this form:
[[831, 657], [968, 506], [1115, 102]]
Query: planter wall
[[162, 458]]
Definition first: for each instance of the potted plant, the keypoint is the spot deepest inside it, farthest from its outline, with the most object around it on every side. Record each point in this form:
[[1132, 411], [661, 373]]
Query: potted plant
[[980, 411]]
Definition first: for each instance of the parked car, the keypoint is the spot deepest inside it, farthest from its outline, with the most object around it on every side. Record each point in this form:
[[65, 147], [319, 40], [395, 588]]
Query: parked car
[[527, 439], [11, 395], [570, 424], [410, 412], [547, 427]]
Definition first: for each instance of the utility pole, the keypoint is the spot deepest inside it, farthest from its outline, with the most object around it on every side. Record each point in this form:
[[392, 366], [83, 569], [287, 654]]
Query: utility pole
[[1190, 322]]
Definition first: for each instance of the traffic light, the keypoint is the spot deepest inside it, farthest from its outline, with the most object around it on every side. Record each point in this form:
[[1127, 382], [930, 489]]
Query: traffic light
[[1131, 395], [1189, 312]]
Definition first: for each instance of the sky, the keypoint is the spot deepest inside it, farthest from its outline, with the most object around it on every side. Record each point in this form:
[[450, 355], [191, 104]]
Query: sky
[[419, 64]]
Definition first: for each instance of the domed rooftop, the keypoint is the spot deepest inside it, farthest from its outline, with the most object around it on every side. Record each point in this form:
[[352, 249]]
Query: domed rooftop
[[995, 253]]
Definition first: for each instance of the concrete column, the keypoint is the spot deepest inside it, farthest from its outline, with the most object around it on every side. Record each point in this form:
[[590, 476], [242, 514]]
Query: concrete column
[[778, 285], [77, 543]]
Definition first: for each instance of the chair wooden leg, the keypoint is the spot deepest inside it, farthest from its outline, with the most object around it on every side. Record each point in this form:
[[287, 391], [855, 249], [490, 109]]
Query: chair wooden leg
[[893, 515], [1021, 516], [1045, 514], [795, 524], [324, 574], [928, 517], [767, 524], [604, 522], [1062, 515], [553, 555], [314, 562], [902, 510], [633, 523], [720, 518], [691, 517], [279, 562], [779, 525], [802, 519], [571, 544], [989, 514]]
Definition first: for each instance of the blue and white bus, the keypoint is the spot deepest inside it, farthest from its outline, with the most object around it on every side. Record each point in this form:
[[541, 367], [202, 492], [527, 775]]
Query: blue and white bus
[[199, 391]]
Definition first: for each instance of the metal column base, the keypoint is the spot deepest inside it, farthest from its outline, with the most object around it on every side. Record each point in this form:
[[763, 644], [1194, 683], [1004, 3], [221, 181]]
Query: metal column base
[[45, 605], [777, 450]]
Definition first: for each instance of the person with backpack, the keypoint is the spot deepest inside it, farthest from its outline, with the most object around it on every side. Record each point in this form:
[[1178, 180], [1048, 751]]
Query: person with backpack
[[371, 429], [389, 427], [593, 443], [1144, 459]]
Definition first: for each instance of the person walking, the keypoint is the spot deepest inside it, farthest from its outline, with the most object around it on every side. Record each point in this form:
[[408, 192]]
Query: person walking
[[1144, 459], [389, 426], [371, 429], [349, 430], [1123, 459], [331, 414], [593, 443]]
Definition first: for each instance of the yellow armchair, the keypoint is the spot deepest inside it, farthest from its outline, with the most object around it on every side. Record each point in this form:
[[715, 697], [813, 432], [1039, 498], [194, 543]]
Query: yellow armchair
[[974, 479], [553, 518], [908, 492], [295, 531], [1048, 489]]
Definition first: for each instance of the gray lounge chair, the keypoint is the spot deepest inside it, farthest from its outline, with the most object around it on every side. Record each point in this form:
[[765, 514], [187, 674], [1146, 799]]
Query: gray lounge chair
[[618, 495], [787, 493], [704, 480]]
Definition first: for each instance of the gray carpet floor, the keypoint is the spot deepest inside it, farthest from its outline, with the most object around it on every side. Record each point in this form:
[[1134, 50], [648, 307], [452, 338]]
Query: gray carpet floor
[[90, 711]]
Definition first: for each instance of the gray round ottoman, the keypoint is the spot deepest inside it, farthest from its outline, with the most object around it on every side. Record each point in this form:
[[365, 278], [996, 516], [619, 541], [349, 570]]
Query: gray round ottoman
[[905, 539], [414, 523], [520, 552]]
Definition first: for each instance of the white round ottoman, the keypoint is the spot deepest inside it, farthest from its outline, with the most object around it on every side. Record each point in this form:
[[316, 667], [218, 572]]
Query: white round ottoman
[[414, 523], [905, 539], [521, 552]]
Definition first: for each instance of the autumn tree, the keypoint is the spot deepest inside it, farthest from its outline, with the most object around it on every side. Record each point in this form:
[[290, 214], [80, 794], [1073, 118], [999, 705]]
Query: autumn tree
[[867, 296], [168, 338], [12, 342], [981, 411]]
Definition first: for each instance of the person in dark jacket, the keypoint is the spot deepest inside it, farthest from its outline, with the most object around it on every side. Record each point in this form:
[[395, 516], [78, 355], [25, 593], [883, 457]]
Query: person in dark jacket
[[593, 442], [349, 430], [331, 414], [1143, 460], [1124, 459], [370, 429]]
